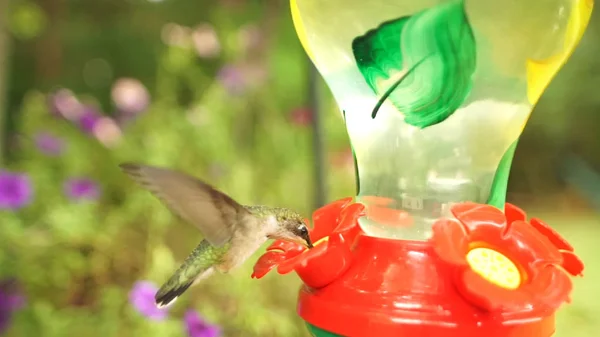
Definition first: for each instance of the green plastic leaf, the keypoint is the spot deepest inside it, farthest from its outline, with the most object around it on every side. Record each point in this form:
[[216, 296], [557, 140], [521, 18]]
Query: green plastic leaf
[[423, 63], [497, 196]]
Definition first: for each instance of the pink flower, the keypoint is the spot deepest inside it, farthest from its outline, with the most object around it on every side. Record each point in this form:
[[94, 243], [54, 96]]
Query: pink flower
[[196, 326], [49, 144], [16, 190], [81, 189], [141, 297]]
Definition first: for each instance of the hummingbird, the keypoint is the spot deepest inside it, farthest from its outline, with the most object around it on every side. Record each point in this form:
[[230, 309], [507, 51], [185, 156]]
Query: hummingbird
[[232, 232]]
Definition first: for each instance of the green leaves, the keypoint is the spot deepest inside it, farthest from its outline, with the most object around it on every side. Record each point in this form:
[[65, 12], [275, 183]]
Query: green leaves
[[422, 63]]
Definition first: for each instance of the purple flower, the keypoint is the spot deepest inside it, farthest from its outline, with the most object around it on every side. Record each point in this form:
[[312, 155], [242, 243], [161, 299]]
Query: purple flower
[[10, 301], [89, 118], [49, 144], [81, 189], [15, 190], [232, 78], [198, 327], [141, 297], [11, 295]]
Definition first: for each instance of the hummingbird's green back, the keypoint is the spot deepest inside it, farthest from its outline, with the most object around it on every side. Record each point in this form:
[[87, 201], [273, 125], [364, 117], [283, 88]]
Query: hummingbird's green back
[[280, 213]]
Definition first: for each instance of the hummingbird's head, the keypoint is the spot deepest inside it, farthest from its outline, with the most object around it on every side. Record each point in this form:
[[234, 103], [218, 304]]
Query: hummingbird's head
[[292, 228]]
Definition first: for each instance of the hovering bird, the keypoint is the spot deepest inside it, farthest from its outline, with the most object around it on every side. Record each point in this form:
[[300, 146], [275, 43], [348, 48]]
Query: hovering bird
[[232, 232]]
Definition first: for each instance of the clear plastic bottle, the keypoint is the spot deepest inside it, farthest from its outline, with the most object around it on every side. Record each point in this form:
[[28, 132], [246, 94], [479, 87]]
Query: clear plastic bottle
[[468, 74]]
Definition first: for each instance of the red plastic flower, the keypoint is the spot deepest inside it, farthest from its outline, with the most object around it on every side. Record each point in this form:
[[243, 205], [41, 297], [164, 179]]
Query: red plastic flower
[[301, 116], [343, 160], [335, 226], [504, 262]]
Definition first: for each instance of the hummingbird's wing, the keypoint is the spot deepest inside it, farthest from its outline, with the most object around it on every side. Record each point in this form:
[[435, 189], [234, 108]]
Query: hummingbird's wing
[[212, 211]]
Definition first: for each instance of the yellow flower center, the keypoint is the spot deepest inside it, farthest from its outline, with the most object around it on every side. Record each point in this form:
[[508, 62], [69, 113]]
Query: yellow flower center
[[494, 267], [325, 239]]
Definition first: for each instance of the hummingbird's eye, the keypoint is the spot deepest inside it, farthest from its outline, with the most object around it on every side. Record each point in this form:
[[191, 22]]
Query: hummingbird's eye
[[303, 230]]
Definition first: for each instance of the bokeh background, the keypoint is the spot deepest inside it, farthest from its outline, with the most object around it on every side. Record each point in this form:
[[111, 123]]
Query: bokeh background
[[221, 89]]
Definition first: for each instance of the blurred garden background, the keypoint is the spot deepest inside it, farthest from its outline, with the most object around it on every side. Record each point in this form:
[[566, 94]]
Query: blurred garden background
[[219, 89]]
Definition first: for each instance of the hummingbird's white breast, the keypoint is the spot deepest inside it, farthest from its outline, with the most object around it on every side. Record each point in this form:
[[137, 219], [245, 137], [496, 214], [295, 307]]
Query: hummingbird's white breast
[[246, 241]]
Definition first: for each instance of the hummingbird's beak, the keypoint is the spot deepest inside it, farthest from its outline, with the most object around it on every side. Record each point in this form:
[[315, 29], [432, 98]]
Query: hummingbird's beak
[[308, 242], [299, 239]]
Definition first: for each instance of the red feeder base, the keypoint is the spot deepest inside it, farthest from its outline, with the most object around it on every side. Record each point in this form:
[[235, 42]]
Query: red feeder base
[[402, 288], [483, 273]]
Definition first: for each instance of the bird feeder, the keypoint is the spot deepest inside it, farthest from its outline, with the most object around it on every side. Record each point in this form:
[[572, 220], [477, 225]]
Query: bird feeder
[[434, 95]]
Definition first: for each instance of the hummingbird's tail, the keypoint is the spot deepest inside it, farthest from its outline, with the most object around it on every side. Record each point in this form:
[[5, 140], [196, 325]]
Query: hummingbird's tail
[[197, 266]]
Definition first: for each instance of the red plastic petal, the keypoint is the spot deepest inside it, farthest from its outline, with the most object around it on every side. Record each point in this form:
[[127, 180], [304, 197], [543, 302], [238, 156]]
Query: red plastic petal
[[278, 252], [267, 262], [349, 218], [551, 288], [514, 213], [326, 264], [289, 265], [302, 260], [572, 263], [551, 234], [529, 247], [490, 297], [478, 216], [450, 241], [289, 247], [326, 218]]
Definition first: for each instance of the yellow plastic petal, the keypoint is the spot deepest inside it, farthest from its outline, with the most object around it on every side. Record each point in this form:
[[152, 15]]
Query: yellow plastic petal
[[300, 30], [541, 72]]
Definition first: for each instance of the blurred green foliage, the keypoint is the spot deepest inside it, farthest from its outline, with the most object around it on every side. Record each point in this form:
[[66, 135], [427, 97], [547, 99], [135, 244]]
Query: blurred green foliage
[[78, 260]]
